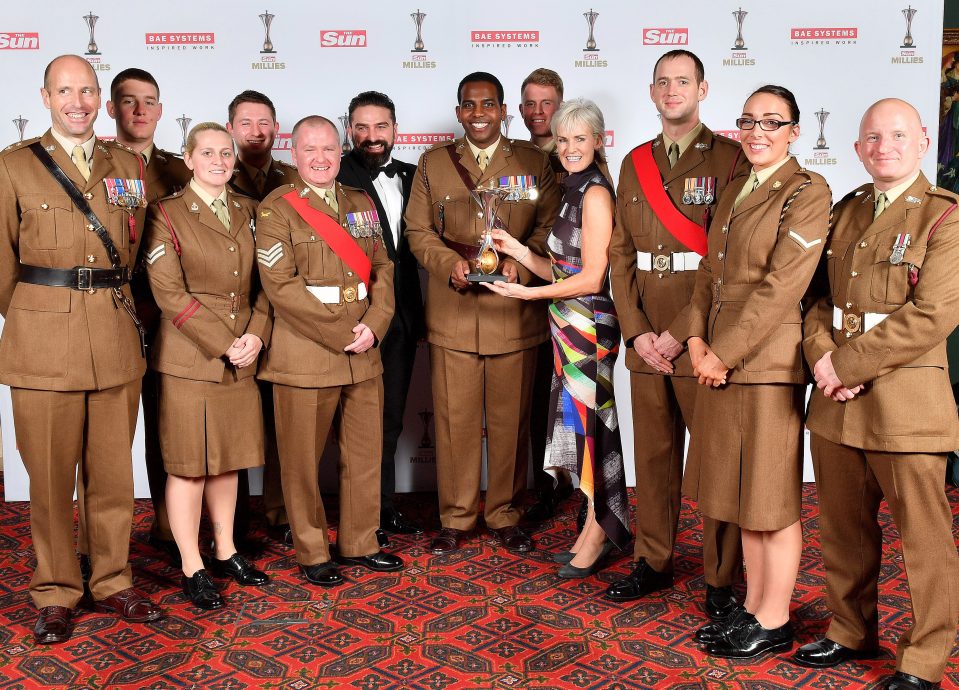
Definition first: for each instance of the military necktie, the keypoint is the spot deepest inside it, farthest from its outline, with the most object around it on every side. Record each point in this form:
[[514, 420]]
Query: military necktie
[[752, 182], [482, 160], [80, 160], [329, 196], [882, 202], [673, 155], [221, 211]]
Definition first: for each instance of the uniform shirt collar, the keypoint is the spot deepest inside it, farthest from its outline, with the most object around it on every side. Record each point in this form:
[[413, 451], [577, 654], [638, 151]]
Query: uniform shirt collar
[[252, 172], [147, 153], [898, 190], [685, 140], [68, 145], [766, 173], [490, 150], [204, 196]]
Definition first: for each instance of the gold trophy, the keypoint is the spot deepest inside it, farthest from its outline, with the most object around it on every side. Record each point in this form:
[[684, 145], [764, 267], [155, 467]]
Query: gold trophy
[[486, 263]]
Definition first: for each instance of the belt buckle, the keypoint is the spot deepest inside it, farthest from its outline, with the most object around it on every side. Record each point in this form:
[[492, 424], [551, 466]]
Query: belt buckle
[[85, 279], [349, 294], [852, 323], [662, 263]]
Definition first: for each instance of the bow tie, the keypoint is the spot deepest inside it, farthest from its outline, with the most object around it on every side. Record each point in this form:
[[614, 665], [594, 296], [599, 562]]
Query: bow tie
[[389, 169]]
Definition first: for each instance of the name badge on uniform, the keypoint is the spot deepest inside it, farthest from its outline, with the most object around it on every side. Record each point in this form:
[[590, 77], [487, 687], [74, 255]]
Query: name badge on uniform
[[127, 194], [699, 190], [520, 187], [363, 223], [899, 248]]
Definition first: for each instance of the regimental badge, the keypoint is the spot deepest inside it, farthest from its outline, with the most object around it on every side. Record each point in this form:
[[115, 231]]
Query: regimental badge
[[127, 194], [700, 146], [699, 190], [520, 187], [363, 223], [899, 248], [913, 199]]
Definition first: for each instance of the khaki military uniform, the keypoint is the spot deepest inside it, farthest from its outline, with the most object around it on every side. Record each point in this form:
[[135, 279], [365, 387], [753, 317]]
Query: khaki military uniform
[[886, 325], [745, 455], [483, 347], [204, 279], [72, 359], [651, 300], [314, 380]]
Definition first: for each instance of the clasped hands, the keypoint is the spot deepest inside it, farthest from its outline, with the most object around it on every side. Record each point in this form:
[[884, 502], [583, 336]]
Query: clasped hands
[[658, 351], [706, 364], [244, 350], [828, 381]]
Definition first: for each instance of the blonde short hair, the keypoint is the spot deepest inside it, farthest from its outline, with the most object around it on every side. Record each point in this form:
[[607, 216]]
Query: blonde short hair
[[202, 127], [581, 111]]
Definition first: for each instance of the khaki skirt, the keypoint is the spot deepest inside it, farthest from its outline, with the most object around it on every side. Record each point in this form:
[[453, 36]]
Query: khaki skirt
[[745, 454], [208, 428]]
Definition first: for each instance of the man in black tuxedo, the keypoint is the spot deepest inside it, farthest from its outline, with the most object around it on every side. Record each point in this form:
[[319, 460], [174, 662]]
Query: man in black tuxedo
[[371, 167]]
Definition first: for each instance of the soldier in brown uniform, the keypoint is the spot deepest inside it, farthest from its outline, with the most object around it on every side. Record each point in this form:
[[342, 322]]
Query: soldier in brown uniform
[[483, 347], [325, 269], [252, 123], [200, 259], [653, 273], [71, 351], [135, 105], [888, 295]]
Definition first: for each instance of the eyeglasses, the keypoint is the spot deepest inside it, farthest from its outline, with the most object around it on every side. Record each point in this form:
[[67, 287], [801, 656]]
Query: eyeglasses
[[748, 123]]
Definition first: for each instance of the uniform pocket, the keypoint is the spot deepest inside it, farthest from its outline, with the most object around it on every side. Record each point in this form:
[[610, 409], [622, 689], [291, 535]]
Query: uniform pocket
[[889, 283], [303, 241], [47, 221], [36, 331]]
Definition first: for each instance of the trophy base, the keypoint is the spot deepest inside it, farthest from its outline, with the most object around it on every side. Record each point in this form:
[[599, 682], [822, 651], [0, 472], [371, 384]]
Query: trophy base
[[485, 277], [267, 52], [817, 147], [419, 50], [911, 45]]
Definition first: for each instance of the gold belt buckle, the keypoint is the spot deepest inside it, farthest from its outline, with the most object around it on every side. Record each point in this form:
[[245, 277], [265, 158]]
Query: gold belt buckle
[[349, 294], [661, 263], [852, 323]]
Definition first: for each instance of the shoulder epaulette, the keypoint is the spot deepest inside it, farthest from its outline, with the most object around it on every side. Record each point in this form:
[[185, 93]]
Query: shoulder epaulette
[[20, 144]]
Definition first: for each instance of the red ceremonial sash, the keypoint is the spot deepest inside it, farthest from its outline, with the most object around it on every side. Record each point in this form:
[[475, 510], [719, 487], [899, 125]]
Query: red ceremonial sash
[[690, 234], [340, 241]]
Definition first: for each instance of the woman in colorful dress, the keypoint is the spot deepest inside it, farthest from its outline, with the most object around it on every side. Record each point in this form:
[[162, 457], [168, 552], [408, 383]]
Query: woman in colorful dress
[[583, 434]]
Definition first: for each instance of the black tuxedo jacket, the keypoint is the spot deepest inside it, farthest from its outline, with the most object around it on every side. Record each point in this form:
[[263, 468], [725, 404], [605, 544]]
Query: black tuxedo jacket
[[406, 280]]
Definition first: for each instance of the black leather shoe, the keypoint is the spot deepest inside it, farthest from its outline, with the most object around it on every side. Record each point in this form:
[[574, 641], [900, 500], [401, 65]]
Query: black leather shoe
[[563, 557], [904, 681], [825, 653], [716, 630], [642, 581], [382, 539], [199, 589], [379, 562], [720, 602], [513, 538], [748, 639], [573, 572], [447, 540], [240, 570], [53, 625], [322, 574], [394, 522]]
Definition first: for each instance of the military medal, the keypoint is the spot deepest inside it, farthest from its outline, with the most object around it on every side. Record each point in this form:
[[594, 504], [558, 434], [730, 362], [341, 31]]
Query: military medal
[[363, 223], [899, 248], [128, 195], [519, 187], [699, 190]]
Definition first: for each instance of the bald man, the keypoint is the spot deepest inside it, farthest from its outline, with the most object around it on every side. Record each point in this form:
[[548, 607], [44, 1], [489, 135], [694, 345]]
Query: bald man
[[883, 418], [71, 351]]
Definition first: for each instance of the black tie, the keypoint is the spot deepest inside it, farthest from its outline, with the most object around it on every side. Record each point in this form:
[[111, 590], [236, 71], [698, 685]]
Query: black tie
[[390, 170]]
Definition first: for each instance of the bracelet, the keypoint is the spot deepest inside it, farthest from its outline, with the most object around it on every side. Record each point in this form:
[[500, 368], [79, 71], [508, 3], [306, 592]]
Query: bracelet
[[523, 258]]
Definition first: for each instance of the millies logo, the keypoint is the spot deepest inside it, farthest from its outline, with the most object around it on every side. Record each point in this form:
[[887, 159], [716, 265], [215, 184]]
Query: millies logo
[[19, 40], [343, 38], [665, 37]]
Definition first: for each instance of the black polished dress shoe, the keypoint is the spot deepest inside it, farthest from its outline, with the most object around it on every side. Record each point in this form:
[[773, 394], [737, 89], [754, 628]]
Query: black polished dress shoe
[[720, 602], [904, 681], [240, 570], [379, 562], [323, 574], [642, 581], [574, 572], [199, 589], [394, 522], [513, 538], [382, 538], [825, 653], [716, 630], [447, 540], [748, 639], [563, 557], [53, 625]]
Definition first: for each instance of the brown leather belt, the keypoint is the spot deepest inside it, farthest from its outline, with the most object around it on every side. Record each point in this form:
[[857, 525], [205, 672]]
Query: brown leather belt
[[76, 278]]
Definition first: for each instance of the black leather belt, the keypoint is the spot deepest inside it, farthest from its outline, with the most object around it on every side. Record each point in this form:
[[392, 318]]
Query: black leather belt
[[76, 278]]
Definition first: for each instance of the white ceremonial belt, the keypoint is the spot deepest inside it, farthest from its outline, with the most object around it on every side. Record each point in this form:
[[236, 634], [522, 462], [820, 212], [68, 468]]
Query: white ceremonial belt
[[855, 322], [331, 294], [674, 263]]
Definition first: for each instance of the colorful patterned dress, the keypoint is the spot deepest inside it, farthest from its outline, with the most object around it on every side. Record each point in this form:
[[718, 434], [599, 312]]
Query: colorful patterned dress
[[583, 434]]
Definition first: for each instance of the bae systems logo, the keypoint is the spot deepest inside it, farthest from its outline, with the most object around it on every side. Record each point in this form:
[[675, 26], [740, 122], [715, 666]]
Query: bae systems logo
[[504, 39], [408, 141], [824, 35], [180, 41], [19, 40], [665, 37], [343, 38], [733, 134]]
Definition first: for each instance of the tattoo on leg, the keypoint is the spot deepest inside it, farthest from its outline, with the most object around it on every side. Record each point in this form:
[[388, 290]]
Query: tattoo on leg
[[217, 528]]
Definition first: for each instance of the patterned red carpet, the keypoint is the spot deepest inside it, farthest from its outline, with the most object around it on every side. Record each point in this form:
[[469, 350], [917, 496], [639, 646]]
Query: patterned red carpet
[[484, 618]]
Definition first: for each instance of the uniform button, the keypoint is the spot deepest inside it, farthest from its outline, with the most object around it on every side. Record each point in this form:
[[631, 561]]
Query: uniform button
[[725, 229], [659, 275], [91, 259], [232, 249], [848, 305], [863, 244], [88, 196], [853, 274], [232, 316], [479, 214], [90, 228], [829, 252], [848, 334], [721, 256], [232, 294], [312, 238], [44, 206], [236, 273], [660, 247], [635, 199], [349, 274]]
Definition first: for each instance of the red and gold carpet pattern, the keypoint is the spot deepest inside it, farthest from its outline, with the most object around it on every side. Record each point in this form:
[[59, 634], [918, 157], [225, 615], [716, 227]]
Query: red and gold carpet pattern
[[482, 618]]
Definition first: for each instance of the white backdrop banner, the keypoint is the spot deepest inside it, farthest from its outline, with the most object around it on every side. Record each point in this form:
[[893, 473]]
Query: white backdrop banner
[[837, 57]]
